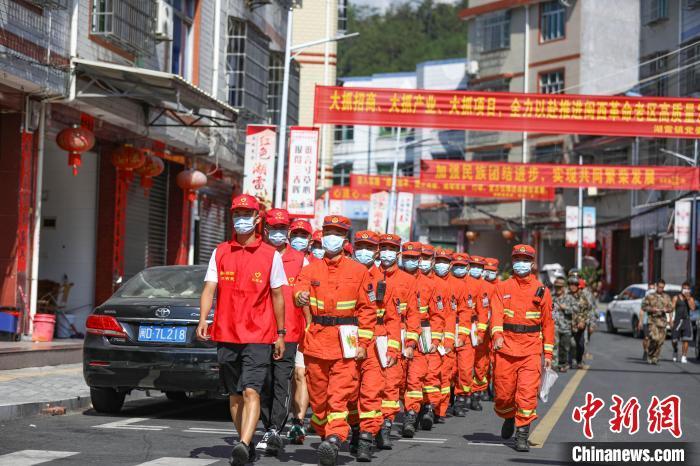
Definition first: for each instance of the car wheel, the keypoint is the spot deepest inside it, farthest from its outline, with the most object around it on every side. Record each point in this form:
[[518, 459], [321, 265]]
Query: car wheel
[[176, 396], [635, 328], [609, 323], [107, 400]]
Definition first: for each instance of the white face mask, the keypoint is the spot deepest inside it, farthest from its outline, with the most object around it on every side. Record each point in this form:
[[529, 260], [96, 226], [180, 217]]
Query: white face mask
[[441, 269], [410, 265], [425, 265], [333, 243], [299, 243], [243, 225], [277, 237], [459, 271], [476, 272], [387, 257], [522, 268], [490, 275], [318, 253], [364, 256]]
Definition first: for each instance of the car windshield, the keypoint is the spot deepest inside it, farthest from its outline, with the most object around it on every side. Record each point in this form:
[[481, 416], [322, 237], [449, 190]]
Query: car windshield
[[165, 282]]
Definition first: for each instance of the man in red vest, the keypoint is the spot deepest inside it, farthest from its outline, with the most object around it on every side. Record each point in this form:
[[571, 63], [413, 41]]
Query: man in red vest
[[247, 276]]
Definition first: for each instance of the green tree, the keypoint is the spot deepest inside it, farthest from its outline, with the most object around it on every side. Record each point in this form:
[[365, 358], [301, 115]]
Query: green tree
[[403, 36]]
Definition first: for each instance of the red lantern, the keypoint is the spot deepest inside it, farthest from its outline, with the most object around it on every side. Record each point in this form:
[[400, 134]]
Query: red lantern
[[471, 235], [152, 167], [508, 235], [127, 158], [75, 140], [190, 181]]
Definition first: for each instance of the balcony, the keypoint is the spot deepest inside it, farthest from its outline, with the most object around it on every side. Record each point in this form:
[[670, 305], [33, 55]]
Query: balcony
[[129, 24]]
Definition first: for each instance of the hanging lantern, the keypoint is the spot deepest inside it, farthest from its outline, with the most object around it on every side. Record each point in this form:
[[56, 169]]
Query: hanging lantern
[[508, 235], [75, 140], [127, 158], [190, 181], [471, 235], [152, 167]]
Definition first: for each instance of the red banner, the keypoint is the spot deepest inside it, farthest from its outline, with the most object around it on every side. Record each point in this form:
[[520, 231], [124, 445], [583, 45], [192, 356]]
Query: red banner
[[347, 193], [561, 176], [505, 111], [451, 188]]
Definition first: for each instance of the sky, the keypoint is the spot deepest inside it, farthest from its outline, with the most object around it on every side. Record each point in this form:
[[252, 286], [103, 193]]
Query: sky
[[383, 4]]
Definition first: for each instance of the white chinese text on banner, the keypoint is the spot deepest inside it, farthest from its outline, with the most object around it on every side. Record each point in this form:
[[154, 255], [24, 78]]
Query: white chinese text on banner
[[301, 179], [259, 165], [571, 226]]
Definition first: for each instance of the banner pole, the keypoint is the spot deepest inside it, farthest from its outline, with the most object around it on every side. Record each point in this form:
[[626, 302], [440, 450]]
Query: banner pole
[[693, 247], [579, 235], [391, 225], [282, 141]]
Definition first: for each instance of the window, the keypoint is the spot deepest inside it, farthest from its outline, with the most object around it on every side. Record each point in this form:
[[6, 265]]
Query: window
[[247, 62], [654, 11], [690, 78], [126, 23], [274, 90], [387, 168], [182, 45], [344, 133], [657, 65], [341, 174], [552, 82], [552, 20], [491, 155], [551, 153], [342, 16], [493, 31]]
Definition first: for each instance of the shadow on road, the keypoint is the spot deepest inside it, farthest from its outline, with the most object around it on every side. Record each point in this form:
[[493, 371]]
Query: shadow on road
[[300, 456], [484, 437], [536, 461], [162, 408]]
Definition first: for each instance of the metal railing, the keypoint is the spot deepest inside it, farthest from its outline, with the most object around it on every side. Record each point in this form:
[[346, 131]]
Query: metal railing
[[129, 24]]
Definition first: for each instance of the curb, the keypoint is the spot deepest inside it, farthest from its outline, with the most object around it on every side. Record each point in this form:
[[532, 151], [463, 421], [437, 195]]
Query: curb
[[23, 410]]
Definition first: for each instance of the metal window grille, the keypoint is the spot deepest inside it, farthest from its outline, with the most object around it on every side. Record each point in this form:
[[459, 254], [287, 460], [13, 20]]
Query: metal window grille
[[495, 155], [690, 79], [51, 4], [274, 90], [342, 16], [654, 11], [494, 31], [658, 65], [344, 133], [552, 83], [247, 62], [552, 20], [552, 153], [341, 174], [127, 23]]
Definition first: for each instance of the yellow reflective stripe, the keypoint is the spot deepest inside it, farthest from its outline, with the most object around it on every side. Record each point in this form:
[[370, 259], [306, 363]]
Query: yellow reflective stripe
[[394, 344], [423, 309], [503, 411], [345, 305], [381, 312], [415, 394], [548, 347], [431, 389], [390, 404], [362, 333], [411, 336], [533, 315], [370, 414], [437, 335], [480, 382], [481, 326], [465, 330], [445, 390], [508, 312], [316, 302], [337, 415], [495, 329], [403, 306], [316, 420], [449, 335], [527, 412], [467, 388]]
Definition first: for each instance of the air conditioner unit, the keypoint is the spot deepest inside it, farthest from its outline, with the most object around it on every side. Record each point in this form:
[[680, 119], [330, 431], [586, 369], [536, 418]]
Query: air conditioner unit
[[164, 21], [472, 67]]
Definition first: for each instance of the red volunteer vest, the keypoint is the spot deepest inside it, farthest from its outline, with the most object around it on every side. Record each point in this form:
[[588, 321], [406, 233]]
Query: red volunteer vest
[[244, 311], [294, 320]]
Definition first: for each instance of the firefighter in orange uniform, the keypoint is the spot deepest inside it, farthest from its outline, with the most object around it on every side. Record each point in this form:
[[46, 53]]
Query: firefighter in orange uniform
[[475, 282], [484, 315], [316, 249], [443, 259], [343, 316], [464, 351], [521, 329]]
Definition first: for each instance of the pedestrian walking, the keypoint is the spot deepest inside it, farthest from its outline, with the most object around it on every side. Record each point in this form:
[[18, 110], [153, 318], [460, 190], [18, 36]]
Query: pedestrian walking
[[464, 351], [563, 322], [246, 275], [643, 325], [682, 328], [657, 305], [475, 287], [443, 260], [580, 308]]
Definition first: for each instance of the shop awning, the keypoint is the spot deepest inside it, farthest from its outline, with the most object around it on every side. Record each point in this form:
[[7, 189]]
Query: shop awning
[[173, 100]]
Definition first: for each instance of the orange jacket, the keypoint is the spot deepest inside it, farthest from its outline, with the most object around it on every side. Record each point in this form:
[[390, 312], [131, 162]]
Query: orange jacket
[[458, 306], [515, 302], [438, 306], [483, 304], [401, 310], [338, 288], [472, 293]]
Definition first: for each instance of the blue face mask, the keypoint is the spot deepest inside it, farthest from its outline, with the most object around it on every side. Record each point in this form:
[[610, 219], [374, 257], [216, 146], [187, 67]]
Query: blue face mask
[[364, 256], [333, 243], [243, 225], [318, 253], [410, 265], [459, 271], [387, 257], [441, 269], [522, 268], [299, 243], [425, 265], [475, 272], [377, 263], [277, 237], [491, 275]]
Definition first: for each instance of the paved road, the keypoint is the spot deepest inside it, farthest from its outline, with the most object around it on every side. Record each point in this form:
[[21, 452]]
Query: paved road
[[156, 431]]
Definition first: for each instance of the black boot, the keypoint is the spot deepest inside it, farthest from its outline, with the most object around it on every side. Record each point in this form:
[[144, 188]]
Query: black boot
[[354, 439], [521, 436], [384, 436], [409, 424], [364, 448], [328, 451], [428, 418], [467, 403], [475, 404], [458, 408], [508, 428]]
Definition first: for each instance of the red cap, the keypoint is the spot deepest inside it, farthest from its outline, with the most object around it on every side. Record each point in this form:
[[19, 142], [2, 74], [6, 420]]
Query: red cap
[[366, 236], [394, 240], [277, 217], [317, 236], [337, 221], [427, 249], [491, 264], [442, 253], [411, 248], [523, 250], [348, 248], [477, 260], [245, 201], [301, 225], [460, 259]]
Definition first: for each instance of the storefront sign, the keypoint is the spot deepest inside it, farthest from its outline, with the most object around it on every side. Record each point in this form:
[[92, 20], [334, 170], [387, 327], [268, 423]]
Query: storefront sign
[[301, 180], [347, 193], [681, 224], [505, 111], [259, 167]]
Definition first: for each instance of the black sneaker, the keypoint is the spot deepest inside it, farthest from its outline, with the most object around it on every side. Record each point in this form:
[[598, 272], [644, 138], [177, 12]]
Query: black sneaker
[[274, 443], [240, 454], [508, 428], [328, 451]]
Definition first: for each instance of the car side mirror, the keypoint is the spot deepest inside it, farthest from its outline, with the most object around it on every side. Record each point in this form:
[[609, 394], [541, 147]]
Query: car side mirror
[[616, 297]]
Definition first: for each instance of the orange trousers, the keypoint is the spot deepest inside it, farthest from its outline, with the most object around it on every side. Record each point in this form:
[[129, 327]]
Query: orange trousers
[[465, 367], [331, 384], [367, 413], [482, 360], [446, 372], [423, 381], [516, 381], [394, 389]]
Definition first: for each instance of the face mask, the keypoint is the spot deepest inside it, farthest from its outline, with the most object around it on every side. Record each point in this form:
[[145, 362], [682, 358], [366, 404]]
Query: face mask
[[491, 276], [333, 243], [459, 271], [299, 243], [377, 263], [425, 265], [522, 268], [243, 225], [410, 265], [387, 257], [277, 237], [475, 272], [364, 256], [686, 291], [318, 253], [441, 269]]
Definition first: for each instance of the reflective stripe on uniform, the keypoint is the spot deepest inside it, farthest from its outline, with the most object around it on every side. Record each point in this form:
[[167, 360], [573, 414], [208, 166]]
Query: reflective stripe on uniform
[[465, 330], [316, 302], [508, 312], [381, 312], [390, 404], [445, 390], [467, 388], [394, 344], [411, 336], [431, 389], [548, 347], [415, 394], [480, 382], [337, 415], [362, 333], [526, 412], [316, 420], [495, 329], [449, 335], [437, 335], [423, 309], [370, 414], [403, 306], [533, 314], [481, 326], [345, 305]]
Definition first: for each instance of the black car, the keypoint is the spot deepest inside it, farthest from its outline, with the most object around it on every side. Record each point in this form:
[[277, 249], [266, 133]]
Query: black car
[[144, 338]]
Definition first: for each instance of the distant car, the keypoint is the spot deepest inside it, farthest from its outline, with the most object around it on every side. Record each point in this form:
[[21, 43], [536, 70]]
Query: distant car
[[144, 338], [623, 310]]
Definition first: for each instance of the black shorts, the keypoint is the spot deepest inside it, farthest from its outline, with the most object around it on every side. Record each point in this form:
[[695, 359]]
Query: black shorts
[[682, 330], [243, 366]]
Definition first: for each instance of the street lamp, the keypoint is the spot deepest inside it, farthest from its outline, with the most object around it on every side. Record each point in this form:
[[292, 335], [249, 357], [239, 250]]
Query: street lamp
[[282, 142], [394, 175]]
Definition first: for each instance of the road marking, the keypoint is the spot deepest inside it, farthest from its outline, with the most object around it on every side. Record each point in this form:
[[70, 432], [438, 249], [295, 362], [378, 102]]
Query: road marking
[[8, 377], [423, 440], [171, 461], [31, 457], [127, 424], [488, 444], [544, 427], [195, 430]]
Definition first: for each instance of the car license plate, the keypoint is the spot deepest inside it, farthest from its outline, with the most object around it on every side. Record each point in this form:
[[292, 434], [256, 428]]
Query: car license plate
[[162, 334]]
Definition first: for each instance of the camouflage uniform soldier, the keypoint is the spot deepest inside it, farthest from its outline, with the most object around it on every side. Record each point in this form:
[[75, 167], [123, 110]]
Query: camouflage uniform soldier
[[562, 323], [657, 306], [580, 308]]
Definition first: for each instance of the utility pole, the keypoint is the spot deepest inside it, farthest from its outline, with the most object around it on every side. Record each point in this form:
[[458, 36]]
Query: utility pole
[[579, 235], [526, 89]]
